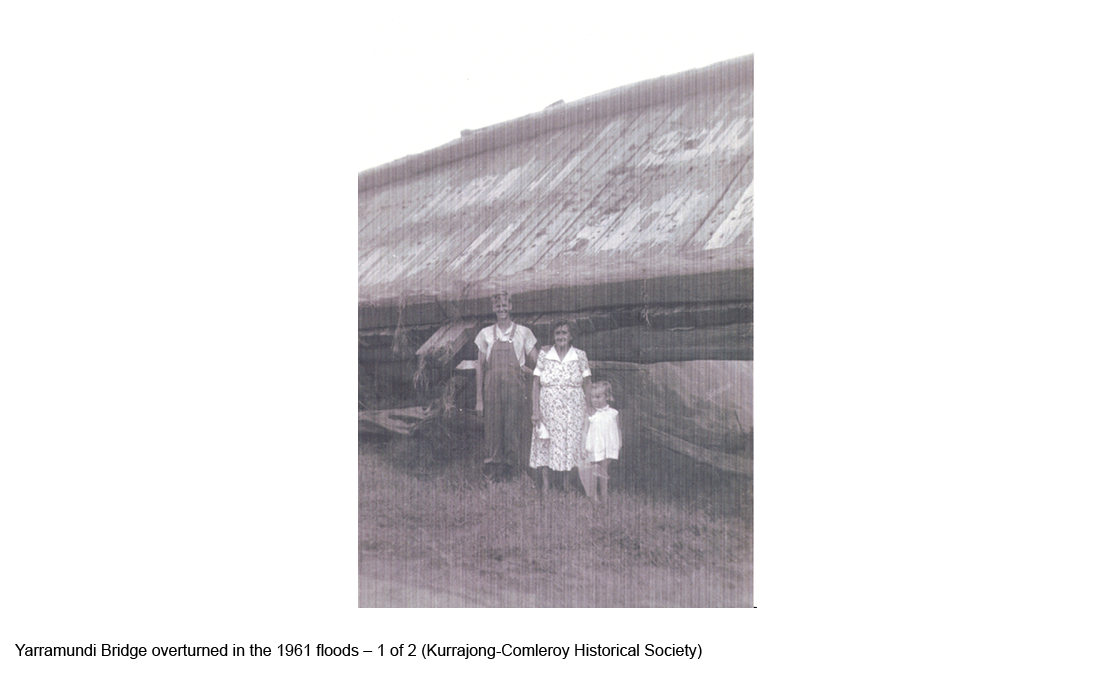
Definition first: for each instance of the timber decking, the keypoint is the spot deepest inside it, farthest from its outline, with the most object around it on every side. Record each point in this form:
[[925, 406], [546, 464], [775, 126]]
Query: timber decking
[[651, 181]]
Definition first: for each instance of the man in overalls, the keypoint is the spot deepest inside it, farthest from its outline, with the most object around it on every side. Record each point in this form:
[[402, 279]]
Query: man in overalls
[[508, 353]]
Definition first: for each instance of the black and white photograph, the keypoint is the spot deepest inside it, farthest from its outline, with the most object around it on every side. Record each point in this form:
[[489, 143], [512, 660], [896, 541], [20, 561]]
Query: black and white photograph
[[691, 337], [556, 325]]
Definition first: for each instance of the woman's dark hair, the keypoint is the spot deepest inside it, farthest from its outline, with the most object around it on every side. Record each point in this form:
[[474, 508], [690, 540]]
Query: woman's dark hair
[[562, 323]]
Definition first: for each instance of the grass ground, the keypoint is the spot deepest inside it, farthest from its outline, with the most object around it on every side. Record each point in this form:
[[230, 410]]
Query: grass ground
[[435, 533]]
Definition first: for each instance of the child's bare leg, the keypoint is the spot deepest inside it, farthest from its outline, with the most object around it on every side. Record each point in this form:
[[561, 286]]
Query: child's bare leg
[[545, 472], [587, 473], [602, 479]]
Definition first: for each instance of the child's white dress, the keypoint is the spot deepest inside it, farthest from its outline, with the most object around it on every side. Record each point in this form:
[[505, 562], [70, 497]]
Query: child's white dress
[[602, 435]]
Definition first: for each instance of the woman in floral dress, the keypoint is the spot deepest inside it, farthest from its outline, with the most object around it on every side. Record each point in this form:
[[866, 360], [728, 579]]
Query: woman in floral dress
[[561, 379]]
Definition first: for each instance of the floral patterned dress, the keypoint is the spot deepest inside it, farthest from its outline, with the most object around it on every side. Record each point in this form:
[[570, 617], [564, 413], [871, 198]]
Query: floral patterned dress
[[562, 402]]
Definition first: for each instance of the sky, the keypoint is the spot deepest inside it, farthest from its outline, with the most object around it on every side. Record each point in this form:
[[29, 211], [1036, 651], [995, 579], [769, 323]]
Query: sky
[[421, 89]]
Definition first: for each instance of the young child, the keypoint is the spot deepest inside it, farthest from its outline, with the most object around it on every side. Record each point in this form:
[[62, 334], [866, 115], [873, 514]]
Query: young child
[[602, 441]]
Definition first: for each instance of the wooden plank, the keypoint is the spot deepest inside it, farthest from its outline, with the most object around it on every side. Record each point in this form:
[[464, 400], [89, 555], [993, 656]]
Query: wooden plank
[[724, 207], [666, 184], [572, 269], [418, 311], [699, 315], [455, 203], [380, 343], [534, 204], [639, 344], [569, 193], [377, 338], [737, 226], [733, 285], [655, 318], [600, 191], [665, 317], [583, 323], [725, 157], [723, 461], [397, 421], [541, 198], [583, 188], [732, 213], [470, 365], [388, 232], [385, 354], [443, 346], [580, 147], [493, 193]]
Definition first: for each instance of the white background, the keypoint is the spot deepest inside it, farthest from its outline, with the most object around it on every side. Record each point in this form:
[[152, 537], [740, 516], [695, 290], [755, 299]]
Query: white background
[[933, 346]]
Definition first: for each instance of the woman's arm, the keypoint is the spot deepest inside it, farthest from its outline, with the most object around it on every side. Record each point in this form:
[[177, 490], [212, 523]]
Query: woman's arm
[[532, 361], [586, 383], [536, 415]]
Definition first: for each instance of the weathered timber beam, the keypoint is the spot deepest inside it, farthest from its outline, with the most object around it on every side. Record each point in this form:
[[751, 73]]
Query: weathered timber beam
[[724, 461], [629, 335], [377, 338], [655, 317], [380, 343], [398, 421], [639, 344], [595, 321], [384, 354], [470, 365], [699, 315], [715, 287], [443, 346]]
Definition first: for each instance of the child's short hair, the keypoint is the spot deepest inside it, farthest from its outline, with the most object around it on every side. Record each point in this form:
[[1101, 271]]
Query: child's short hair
[[606, 387]]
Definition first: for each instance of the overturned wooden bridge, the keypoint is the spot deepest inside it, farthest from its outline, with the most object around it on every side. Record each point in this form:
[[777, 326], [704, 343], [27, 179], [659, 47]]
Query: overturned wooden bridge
[[628, 213]]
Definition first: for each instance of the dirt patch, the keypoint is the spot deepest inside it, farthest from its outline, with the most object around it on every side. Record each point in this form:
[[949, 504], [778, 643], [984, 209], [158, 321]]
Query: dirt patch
[[519, 588], [435, 533]]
